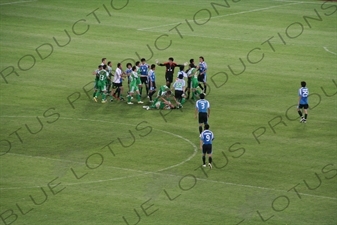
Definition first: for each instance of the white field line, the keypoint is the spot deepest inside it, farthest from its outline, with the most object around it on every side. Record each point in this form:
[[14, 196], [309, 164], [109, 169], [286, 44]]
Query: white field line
[[61, 160], [326, 49], [11, 3], [195, 148], [143, 173], [315, 3], [231, 14]]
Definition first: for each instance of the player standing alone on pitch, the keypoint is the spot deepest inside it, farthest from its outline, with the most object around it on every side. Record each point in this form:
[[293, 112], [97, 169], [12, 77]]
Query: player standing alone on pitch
[[202, 110], [206, 139], [303, 105]]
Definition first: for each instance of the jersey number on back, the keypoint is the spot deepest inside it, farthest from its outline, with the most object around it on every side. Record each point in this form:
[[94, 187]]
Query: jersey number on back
[[305, 93]]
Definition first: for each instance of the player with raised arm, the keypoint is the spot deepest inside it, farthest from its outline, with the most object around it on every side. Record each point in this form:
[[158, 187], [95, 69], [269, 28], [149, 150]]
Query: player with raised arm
[[202, 111], [206, 139], [302, 106], [170, 65]]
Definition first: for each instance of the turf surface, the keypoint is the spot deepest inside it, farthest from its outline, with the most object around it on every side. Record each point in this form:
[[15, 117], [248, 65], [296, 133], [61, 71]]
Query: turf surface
[[68, 160]]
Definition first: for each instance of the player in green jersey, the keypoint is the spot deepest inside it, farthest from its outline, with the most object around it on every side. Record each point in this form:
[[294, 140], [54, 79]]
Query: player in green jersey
[[134, 86], [101, 83], [95, 73], [163, 102], [195, 85], [190, 73], [139, 82], [162, 90]]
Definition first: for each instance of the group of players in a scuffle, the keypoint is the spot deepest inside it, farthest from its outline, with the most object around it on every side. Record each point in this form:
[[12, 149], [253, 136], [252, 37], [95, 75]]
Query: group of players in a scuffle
[[109, 82]]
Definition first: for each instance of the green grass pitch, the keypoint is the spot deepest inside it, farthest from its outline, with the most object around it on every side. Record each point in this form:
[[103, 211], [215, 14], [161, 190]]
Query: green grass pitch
[[65, 159]]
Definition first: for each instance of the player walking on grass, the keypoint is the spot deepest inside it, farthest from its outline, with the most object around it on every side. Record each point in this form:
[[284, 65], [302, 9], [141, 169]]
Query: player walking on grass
[[202, 110], [303, 105], [101, 84], [134, 86], [206, 139]]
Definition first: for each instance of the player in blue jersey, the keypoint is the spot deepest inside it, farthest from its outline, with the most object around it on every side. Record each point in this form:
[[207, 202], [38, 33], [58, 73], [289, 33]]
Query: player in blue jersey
[[152, 81], [143, 69], [202, 67], [303, 105], [202, 110], [206, 139]]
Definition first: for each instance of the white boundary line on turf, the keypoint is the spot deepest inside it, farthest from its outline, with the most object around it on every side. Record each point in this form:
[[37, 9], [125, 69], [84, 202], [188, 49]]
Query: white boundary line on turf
[[80, 119], [185, 139], [315, 3], [11, 3], [231, 14], [143, 173], [326, 49]]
